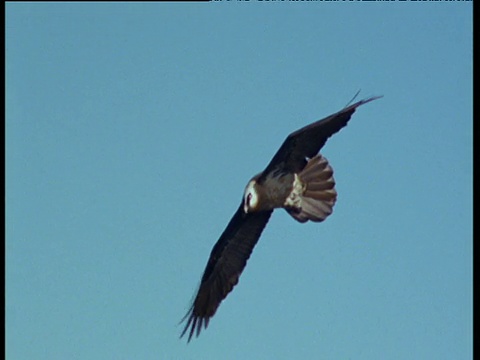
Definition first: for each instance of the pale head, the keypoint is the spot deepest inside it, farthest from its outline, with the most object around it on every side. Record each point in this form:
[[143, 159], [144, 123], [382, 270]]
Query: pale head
[[250, 200]]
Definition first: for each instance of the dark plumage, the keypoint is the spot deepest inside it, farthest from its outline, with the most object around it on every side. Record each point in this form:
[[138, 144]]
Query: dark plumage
[[296, 179]]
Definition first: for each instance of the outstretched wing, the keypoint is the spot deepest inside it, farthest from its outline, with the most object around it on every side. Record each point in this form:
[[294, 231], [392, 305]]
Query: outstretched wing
[[227, 261], [307, 141]]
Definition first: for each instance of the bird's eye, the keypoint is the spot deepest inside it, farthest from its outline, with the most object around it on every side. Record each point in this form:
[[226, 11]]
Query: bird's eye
[[249, 197]]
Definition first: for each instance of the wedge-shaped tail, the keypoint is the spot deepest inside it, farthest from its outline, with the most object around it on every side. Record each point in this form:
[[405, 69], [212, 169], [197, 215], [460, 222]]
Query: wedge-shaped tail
[[313, 195]]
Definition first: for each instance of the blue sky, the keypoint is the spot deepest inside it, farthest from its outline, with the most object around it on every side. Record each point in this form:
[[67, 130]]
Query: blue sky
[[132, 129]]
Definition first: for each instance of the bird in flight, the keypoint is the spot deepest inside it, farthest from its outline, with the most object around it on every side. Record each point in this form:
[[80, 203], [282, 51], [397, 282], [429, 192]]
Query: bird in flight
[[298, 179]]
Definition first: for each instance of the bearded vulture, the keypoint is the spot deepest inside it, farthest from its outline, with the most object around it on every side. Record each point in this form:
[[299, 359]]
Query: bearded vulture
[[298, 179]]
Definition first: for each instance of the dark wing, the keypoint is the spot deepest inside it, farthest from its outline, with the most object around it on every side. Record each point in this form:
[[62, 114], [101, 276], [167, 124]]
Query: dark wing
[[307, 141], [227, 261]]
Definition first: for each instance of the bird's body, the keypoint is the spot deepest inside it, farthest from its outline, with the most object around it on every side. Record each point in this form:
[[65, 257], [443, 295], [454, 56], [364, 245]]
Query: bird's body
[[307, 195], [297, 179], [270, 193]]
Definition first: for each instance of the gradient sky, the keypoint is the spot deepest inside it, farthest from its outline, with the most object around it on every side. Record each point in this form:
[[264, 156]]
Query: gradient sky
[[132, 129]]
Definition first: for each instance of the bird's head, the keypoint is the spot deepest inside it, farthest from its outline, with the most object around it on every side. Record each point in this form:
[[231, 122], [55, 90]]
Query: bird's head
[[250, 200]]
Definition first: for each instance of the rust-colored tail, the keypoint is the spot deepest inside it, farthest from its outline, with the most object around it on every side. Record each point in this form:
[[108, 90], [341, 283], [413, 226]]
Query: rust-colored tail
[[319, 195]]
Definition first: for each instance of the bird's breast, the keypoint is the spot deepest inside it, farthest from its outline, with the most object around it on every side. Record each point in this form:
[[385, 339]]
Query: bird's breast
[[276, 189]]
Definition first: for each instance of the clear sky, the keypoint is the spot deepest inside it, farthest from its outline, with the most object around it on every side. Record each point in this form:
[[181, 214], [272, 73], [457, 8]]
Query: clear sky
[[132, 129]]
